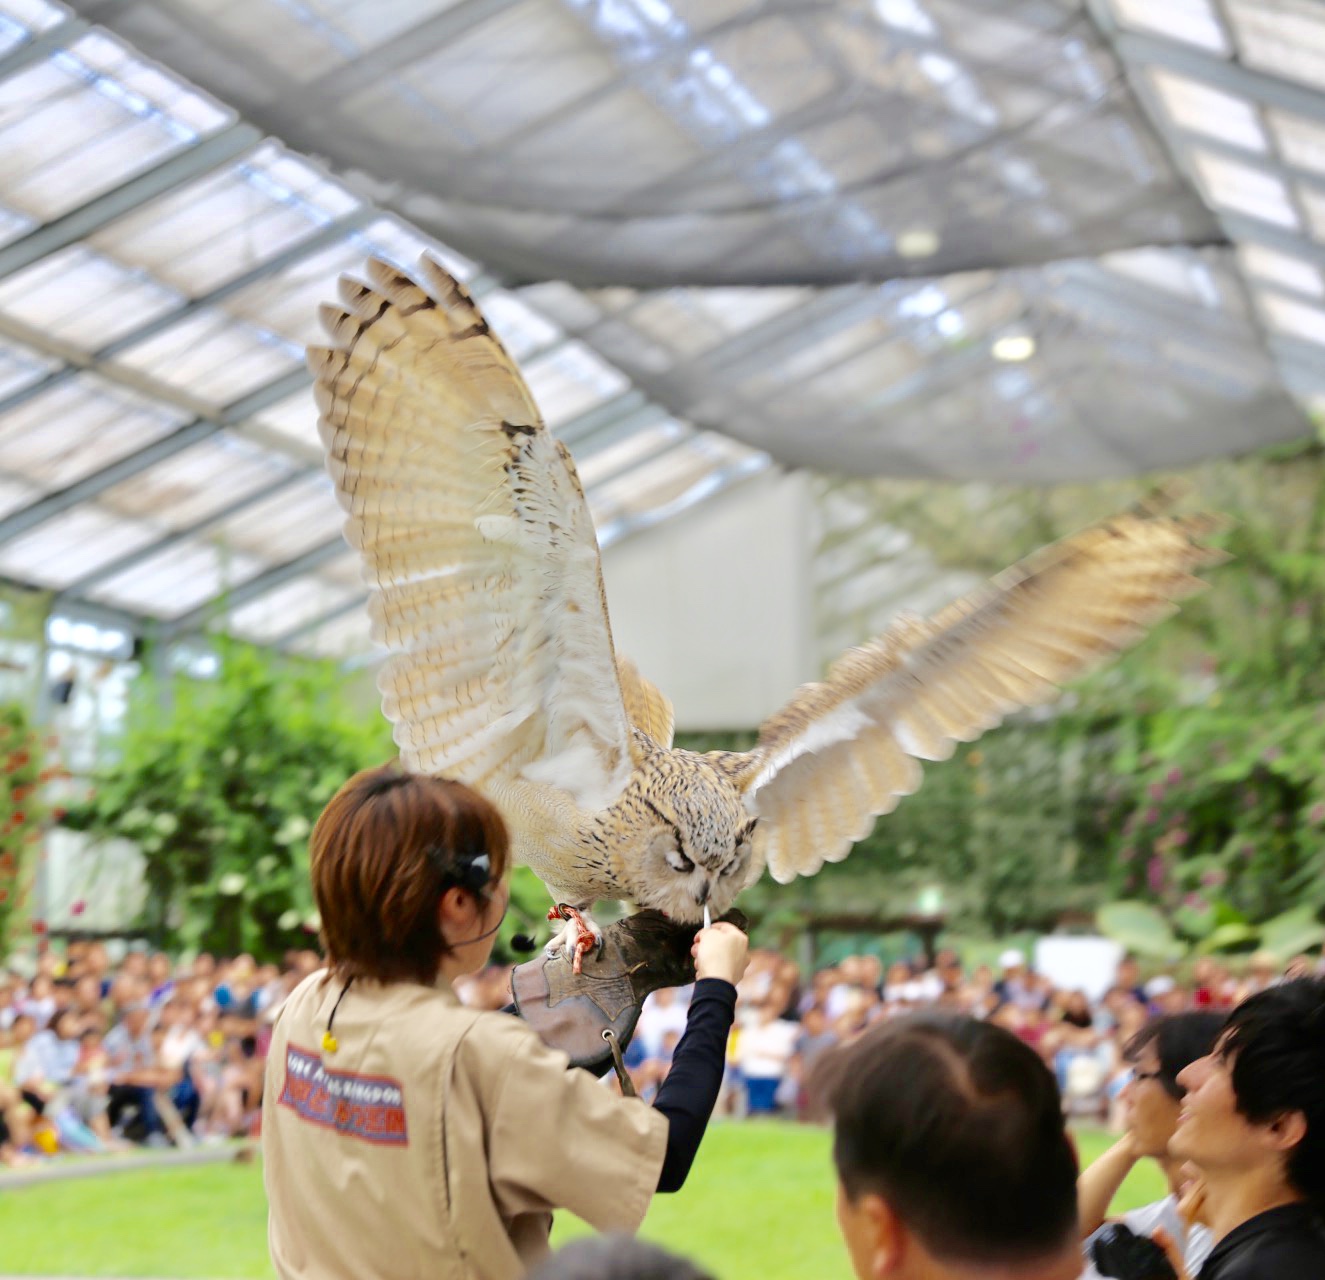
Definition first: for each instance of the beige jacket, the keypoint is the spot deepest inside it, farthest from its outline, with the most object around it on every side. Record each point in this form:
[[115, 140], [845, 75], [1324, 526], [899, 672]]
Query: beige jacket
[[435, 1140]]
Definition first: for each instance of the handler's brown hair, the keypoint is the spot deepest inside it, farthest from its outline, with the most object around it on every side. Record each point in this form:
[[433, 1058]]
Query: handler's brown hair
[[382, 853]]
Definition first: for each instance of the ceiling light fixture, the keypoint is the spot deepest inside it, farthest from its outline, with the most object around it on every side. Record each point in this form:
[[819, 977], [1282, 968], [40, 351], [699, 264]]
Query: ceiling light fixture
[[918, 242], [1013, 346]]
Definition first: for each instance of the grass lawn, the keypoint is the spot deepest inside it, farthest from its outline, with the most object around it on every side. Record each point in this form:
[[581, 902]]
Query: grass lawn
[[759, 1202]]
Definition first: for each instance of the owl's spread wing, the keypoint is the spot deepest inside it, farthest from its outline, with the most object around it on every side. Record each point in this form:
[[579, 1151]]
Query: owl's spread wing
[[845, 751], [476, 540], [647, 707]]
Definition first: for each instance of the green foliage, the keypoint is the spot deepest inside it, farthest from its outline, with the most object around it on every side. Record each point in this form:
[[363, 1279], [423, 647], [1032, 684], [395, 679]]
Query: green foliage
[[218, 783], [21, 814]]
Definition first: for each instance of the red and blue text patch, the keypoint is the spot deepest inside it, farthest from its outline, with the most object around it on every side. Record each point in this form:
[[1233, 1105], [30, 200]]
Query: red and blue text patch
[[367, 1107]]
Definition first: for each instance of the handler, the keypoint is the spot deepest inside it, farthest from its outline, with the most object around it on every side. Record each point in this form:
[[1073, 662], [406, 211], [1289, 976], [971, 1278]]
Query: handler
[[406, 1136]]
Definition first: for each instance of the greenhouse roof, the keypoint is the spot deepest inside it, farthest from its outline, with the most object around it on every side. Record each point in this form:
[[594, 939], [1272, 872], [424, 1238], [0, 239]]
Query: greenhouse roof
[[1028, 243]]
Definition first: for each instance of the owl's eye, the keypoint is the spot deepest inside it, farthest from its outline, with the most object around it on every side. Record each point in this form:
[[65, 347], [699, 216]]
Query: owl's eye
[[678, 861]]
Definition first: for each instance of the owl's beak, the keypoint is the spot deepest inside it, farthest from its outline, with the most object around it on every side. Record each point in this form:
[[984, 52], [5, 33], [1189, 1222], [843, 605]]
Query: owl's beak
[[703, 895]]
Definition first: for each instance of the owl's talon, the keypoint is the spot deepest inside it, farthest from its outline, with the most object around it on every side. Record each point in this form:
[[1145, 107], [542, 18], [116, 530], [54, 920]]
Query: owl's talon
[[579, 936]]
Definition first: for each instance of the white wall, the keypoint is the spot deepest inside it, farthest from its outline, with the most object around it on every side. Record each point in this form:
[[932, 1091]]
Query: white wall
[[715, 606]]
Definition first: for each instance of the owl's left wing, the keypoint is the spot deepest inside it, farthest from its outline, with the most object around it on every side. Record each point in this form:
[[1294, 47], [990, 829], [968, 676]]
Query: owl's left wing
[[476, 540], [845, 751]]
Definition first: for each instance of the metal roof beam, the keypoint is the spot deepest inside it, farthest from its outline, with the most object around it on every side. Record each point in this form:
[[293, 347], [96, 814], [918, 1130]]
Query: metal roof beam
[[289, 638], [53, 504], [1140, 51], [718, 481], [80, 586], [268, 580], [211, 153], [321, 239], [41, 46]]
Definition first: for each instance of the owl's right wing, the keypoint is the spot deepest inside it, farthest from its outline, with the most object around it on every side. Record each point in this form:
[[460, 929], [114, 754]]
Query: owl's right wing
[[845, 751], [476, 540]]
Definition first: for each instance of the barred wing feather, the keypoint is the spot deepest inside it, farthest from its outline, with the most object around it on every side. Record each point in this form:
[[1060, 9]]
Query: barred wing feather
[[846, 750], [476, 541]]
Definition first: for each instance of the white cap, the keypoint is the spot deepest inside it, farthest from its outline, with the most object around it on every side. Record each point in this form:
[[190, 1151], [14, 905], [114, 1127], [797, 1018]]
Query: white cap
[[1012, 959], [1160, 986]]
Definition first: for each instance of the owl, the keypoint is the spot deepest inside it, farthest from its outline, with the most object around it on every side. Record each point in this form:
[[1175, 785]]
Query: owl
[[487, 591]]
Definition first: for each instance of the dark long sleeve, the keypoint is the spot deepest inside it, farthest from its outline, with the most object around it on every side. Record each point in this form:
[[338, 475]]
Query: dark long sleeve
[[689, 1093]]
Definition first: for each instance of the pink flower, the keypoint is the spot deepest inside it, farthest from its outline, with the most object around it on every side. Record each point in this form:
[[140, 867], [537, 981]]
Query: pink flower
[[78, 908], [1195, 901], [1156, 790], [1155, 873], [1151, 816], [1317, 812], [1213, 878], [1174, 776], [1178, 838]]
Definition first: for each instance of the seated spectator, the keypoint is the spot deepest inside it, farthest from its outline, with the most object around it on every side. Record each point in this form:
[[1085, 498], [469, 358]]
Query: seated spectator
[[952, 1157], [1253, 1125], [815, 1038], [1151, 1101], [763, 1052], [131, 1066], [616, 1257]]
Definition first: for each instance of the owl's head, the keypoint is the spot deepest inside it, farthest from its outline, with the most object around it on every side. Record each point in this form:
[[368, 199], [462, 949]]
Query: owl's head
[[697, 843]]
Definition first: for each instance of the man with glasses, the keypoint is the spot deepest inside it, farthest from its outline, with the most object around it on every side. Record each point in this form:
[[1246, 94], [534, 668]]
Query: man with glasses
[[1151, 1102], [1253, 1124]]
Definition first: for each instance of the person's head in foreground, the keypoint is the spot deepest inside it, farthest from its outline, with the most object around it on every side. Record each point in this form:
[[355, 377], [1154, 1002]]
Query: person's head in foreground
[[1157, 1054], [616, 1257], [409, 877], [952, 1157], [1253, 1120]]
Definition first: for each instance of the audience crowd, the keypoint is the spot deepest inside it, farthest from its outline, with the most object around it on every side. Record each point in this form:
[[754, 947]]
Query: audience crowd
[[787, 1019], [97, 1057]]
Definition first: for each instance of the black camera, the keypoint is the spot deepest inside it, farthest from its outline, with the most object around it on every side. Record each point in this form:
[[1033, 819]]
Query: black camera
[[1118, 1251]]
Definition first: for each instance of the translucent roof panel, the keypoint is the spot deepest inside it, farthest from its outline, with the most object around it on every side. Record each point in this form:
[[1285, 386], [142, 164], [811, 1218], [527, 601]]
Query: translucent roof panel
[[294, 420], [1282, 269], [570, 380], [1301, 142], [84, 298], [180, 578], [301, 516], [88, 118], [1284, 37], [20, 20], [72, 545], [1201, 108], [286, 301], [76, 427], [1242, 188], [20, 367], [940, 239], [671, 476], [1192, 22], [1298, 319], [213, 358], [206, 233], [14, 494], [288, 608], [343, 637], [198, 482]]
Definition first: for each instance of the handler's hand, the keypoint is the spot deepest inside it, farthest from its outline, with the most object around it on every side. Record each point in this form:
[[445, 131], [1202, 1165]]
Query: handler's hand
[[721, 951]]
